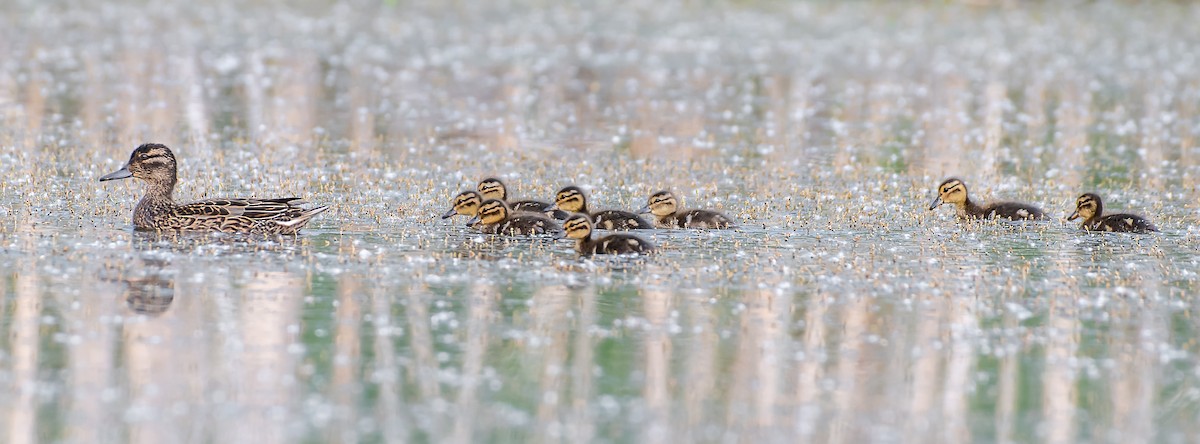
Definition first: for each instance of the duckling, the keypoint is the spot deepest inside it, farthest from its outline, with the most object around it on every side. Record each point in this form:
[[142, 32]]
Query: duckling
[[155, 164], [495, 217], [666, 210], [1091, 209], [573, 199], [493, 188], [465, 203], [954, 191], [579, 227]]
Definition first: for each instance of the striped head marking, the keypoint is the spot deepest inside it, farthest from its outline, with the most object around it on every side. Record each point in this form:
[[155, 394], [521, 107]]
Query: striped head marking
[[662, 203], [465, 203], [578, 227], [952, 191], [1087, 206], [152, 162], [493, 188], [492, 211], [570, 199]]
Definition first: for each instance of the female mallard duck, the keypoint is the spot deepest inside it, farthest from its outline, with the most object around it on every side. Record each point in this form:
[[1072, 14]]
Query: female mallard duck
[[666, 211], [465, 203], [573, 199], [495, 217], [1091, 209], [954, 191], [493, 188], [579, 227], [155, 164]]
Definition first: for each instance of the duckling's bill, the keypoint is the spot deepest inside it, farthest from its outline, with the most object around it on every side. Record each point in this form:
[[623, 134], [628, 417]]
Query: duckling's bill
[[937, 202]]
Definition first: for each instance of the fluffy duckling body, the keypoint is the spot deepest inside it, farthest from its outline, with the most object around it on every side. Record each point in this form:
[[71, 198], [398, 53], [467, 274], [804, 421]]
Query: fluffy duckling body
[[665, 208], [1091, 209], [573, 199], [495, 217], [155, 164], [954, 191], [493, 188], [579, 227]]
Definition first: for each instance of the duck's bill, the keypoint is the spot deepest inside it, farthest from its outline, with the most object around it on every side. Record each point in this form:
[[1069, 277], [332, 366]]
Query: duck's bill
[[1074, 215], [449, 214], [473, 221], [122, 173], [644, 210], [937, 202]]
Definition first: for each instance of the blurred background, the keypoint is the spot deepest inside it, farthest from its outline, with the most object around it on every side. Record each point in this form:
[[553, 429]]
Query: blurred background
[[841, 310]]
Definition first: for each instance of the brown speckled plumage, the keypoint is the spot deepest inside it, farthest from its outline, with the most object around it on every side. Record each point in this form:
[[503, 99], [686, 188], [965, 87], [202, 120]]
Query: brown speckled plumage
[[954, 191], [579, 227], [495, 217], [573, 199], [1091, 209], [665, 208], [155, 164]]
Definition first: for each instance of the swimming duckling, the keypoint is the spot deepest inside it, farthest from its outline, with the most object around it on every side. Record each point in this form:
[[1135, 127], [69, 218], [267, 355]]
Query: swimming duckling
[[493, 188], [954, 191], [1091, 209], [666, 211], [573, 199], [579, 227], [155, 164], [495, 217]]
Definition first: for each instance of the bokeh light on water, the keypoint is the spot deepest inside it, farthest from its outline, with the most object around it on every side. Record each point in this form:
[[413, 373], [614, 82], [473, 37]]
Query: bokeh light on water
[[840, 311]]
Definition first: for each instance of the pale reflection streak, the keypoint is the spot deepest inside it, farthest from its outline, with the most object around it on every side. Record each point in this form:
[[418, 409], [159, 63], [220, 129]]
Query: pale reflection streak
[[657, 305], [24, 344], [581, 427], [345, 382], [811, 368], [550, 333], [481, 300], [264, 378], [850, 388], [756, 374], [700, 364]]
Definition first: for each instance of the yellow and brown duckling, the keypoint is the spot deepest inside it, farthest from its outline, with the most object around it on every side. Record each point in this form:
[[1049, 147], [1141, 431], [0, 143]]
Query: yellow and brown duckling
[[155, 164], [1091, 209], [493, 188], [665, 208], [574, 200], [579, 227], [954, 191], [465, 203], [495, 217]]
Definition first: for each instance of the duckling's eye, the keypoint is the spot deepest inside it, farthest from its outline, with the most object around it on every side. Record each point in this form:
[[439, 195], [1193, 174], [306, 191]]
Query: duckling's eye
[[946, 190]]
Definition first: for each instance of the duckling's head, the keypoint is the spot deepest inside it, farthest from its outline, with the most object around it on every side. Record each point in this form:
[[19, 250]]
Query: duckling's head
[[491, 211], [662, 203], [492, 188], [578, 226], [570, 199], [1087, 206], [151, 162], [465, 203], [953, 190]]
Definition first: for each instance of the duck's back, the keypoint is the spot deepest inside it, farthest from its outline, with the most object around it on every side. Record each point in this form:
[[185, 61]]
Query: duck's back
[[616, 244], [1014, 211], [1124, 223], [537, 206], [703, 219], [527, 224], [619, 220]]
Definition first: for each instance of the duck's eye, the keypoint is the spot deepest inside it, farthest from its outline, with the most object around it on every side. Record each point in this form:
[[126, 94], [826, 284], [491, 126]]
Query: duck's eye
[[946, 190]]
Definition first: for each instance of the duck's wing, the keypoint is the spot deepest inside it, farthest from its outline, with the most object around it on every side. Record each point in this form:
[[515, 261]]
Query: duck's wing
[[1014, 211], [280, 215]]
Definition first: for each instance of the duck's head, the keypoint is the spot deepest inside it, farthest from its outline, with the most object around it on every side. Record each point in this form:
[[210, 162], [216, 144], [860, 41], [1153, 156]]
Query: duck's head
[[570, 199], [492, 188], [151, 162], [465, 203], [578, 226], [1087, 206], [491, 211], [662, 203], [953, 190]]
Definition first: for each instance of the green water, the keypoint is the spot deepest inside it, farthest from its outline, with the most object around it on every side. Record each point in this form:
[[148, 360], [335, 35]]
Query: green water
[[840, 309]]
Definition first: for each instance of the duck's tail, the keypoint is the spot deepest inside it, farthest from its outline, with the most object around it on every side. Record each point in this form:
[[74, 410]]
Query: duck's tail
[[300, 221]]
